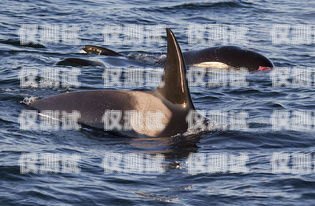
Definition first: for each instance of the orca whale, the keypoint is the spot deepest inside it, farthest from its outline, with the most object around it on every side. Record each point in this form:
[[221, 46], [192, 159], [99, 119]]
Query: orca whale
[[223, 57], [228, 57], [171, 99]]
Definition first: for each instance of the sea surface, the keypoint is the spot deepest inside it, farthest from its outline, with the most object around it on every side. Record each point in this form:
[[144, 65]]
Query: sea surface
[[177, 180]]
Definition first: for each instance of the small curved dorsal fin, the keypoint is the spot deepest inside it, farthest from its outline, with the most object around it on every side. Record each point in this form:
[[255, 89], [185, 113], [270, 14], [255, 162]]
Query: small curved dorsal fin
[[174, 86], [91, 49]]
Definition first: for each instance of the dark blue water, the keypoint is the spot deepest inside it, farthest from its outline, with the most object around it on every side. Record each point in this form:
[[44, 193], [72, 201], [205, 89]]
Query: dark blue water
[[175, 185]]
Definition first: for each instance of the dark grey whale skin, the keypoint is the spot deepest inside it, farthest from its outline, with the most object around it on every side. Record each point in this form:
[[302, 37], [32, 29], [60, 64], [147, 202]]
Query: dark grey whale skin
[[172, 98]]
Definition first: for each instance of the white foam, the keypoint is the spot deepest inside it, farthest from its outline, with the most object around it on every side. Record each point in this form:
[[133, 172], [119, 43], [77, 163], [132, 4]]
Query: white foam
[[28, 100]]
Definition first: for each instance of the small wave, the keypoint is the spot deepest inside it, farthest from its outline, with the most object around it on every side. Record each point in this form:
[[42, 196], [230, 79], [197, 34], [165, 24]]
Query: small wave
[[146, 58], [276, 105], [211, 4], [160, 198], [4, 121], [15, 42]]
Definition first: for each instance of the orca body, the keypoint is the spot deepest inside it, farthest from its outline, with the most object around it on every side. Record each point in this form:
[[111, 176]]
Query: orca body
[[231, 56], [171, 98]]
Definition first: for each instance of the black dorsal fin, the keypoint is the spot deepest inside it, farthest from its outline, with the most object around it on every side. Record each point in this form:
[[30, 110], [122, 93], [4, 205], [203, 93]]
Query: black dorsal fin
[[91, 49], [174, 87]]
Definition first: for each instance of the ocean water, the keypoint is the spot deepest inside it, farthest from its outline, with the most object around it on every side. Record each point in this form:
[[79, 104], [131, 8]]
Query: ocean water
[[178, 181]]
